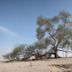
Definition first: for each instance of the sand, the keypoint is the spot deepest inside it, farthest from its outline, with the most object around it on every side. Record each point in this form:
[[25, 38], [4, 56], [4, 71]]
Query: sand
[[50, 65]]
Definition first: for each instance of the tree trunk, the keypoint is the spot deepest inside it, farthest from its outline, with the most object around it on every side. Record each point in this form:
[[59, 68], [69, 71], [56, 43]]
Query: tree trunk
[[56, 53]]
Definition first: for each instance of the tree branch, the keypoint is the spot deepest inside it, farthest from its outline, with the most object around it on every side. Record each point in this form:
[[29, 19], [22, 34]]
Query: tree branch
[[52, 38]]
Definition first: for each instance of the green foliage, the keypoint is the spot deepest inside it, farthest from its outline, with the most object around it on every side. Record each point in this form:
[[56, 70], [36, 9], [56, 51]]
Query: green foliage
[[41, 44], [57, 32], [7, 56], [17, 50], [40, 21], [30, 50], [64, 16], [40, 32]]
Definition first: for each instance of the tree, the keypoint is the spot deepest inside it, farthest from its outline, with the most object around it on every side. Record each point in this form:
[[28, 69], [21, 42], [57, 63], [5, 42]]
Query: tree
[[56, 31], [21, 52], [39, 47], [7, 56], [30, 49], [17, 50]]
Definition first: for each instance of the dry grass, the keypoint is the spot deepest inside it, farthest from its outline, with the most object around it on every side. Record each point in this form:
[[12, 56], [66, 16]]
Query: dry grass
[[51, 65]]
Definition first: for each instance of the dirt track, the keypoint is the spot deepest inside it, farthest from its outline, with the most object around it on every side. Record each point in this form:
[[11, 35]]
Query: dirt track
[[50, 65]]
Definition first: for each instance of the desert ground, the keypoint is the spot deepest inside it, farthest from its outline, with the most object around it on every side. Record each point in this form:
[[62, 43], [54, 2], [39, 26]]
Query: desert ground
[[49, 65]]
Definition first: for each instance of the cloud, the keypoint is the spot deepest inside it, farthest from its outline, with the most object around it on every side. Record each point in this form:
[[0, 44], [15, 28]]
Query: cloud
[[3, 29]]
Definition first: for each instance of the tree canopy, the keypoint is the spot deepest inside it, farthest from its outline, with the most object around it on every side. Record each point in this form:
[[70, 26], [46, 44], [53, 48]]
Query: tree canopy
[[17, 50], [57, 31]]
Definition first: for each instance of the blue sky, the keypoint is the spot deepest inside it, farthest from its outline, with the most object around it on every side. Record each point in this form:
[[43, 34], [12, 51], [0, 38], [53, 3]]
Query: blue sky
[[18, 19]]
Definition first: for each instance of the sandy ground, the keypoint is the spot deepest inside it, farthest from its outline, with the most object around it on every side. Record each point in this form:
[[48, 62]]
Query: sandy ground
[[50, 65]]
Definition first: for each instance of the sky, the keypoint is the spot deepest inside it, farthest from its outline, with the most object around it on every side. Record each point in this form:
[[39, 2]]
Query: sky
[[18, 19]]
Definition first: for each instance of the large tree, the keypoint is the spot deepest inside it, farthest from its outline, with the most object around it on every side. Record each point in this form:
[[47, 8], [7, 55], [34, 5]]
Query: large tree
[[56, 31]]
